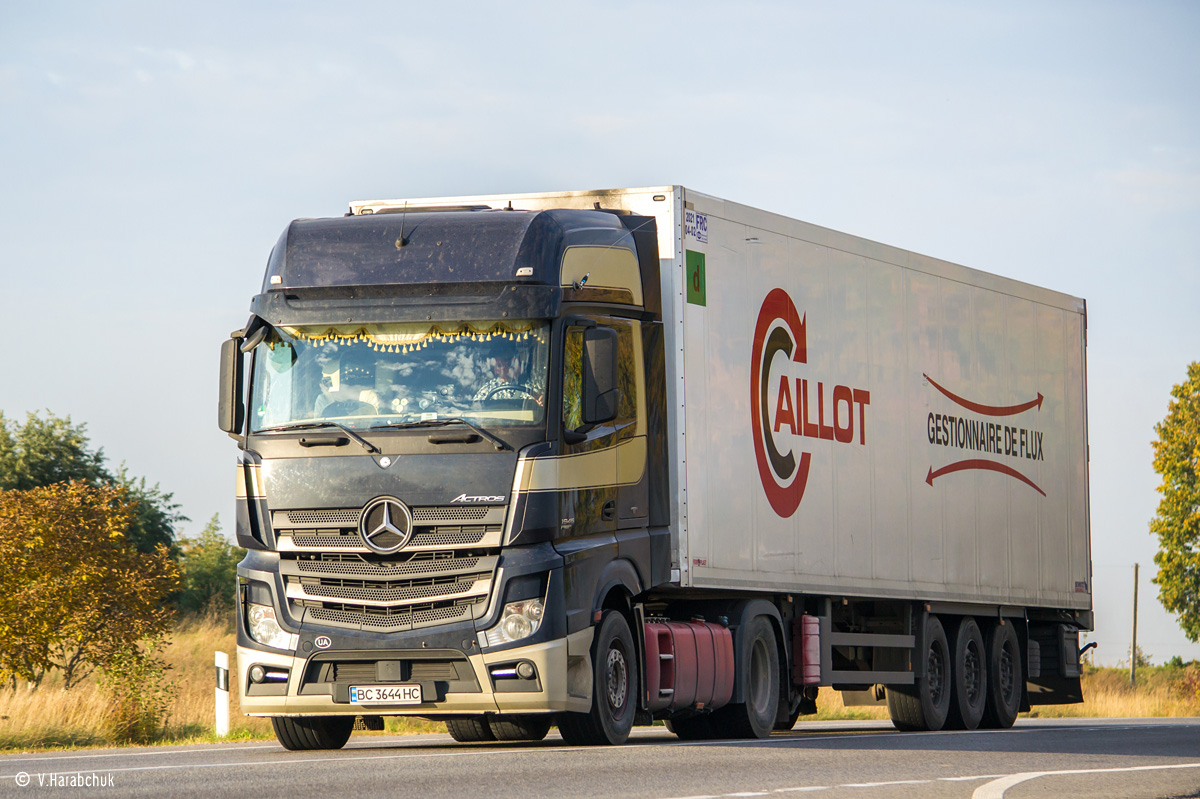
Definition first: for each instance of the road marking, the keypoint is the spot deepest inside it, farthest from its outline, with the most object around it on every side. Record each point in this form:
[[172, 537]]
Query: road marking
[[813, 788], [996, 788], [805, 789]]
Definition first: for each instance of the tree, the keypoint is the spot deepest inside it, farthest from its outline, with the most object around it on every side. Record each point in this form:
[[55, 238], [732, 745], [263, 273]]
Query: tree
[[42, 452], [76, 593], [155, 514], [208, 567], [1177, 522], [46, 451]]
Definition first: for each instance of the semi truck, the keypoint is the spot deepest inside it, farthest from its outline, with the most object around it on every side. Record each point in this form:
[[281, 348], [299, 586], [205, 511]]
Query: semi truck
[[598, 458]]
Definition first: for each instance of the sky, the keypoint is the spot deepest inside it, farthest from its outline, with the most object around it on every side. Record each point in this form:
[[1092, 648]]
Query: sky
[[151, 153]]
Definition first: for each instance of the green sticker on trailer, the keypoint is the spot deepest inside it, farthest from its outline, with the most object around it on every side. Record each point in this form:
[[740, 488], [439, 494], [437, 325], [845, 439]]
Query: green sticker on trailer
[[694, 264]]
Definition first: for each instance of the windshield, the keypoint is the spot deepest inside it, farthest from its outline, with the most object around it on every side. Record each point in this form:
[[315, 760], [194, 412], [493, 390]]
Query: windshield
[[492, 373]]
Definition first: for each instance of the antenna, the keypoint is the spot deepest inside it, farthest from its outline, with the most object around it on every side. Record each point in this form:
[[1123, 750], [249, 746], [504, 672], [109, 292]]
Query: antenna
[[400, 242]]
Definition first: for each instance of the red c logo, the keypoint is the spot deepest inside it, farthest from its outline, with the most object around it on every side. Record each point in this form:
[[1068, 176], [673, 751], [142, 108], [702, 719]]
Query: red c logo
[[780, 329]]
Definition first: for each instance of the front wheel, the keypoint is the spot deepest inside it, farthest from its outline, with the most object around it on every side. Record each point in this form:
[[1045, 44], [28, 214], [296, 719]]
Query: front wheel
[[470, 730], [520, 727], [614, 688], [313, 732]]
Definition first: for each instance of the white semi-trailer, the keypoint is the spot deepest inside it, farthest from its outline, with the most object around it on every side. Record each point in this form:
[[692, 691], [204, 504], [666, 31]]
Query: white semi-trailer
[[596, 458]]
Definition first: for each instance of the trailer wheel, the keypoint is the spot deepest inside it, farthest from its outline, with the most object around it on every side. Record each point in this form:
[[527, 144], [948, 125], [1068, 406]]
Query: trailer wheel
[[614, 688], [469, 731], [759, 671], [925, 705], [520, 727], [970, 688], [312, 732], [1005, 678]]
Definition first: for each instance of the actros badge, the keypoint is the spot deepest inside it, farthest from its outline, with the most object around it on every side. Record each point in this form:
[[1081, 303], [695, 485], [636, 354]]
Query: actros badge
[[385, 525]]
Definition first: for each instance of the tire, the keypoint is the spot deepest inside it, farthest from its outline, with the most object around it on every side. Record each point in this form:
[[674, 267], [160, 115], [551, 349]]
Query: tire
[[969, 681], [520, 727], [694, 728], [759, 670], [614, 688], [1006, 678], [469, 731], [312, 732], [788, 723], [925, 705]]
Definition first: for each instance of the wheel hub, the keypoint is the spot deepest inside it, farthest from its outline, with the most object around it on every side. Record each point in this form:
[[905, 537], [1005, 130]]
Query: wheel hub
[[617, 679]]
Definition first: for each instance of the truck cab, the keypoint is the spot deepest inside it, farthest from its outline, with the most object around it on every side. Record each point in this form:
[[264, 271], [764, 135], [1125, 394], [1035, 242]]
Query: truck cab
[[447, 475]]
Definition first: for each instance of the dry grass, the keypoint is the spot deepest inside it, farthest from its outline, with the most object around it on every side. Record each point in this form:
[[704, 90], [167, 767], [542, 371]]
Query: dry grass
[[52, 718], [1160, 692], [831, 708]]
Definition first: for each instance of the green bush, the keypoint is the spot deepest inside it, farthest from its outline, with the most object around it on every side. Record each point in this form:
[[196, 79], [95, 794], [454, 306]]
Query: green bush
[[140, 698], [208, 571]]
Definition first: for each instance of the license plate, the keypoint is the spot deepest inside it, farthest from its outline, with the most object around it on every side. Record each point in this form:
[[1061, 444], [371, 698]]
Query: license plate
[[385, 694]]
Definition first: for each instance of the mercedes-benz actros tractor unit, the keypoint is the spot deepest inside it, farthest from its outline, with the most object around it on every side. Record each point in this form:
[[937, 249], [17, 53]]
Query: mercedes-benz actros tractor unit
[[591, 459]]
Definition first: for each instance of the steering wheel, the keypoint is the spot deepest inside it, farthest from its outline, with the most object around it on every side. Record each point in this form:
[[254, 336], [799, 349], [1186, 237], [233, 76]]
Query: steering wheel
[[524, 392], [348, 408]]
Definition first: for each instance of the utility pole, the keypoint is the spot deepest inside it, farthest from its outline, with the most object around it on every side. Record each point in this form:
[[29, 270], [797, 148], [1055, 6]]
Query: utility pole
[[1133, 646]]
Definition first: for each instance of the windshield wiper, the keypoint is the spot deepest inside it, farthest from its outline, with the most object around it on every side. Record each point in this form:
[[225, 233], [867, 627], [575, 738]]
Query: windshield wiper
[[449, 420], [355, 437]]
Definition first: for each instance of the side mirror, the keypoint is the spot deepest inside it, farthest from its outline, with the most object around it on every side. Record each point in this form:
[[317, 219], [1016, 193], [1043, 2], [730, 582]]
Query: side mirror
[[231, 411], [600, 392]]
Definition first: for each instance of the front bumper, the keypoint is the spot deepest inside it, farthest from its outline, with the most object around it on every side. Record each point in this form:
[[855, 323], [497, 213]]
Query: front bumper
[[562, 681]]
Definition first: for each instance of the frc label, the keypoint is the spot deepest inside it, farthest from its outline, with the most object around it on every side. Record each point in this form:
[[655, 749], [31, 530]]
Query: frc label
[[788, 405], [695, 226]]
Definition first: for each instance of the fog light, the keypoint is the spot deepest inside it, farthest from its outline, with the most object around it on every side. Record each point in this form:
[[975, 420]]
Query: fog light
[[257, 674], [525, 670], [518, 620], [265, 629]]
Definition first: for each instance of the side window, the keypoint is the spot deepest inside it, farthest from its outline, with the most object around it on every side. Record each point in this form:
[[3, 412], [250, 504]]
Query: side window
[[573, 375], [626, 373], [573, 379]]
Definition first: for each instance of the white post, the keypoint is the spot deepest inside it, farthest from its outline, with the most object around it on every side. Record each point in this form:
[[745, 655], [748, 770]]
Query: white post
[[222, 693]]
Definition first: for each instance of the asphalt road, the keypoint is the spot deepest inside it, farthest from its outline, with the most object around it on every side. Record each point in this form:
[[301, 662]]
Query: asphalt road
[[1120, 758]]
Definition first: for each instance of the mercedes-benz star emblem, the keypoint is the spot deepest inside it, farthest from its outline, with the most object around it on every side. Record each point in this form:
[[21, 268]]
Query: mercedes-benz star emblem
[[385, 525]]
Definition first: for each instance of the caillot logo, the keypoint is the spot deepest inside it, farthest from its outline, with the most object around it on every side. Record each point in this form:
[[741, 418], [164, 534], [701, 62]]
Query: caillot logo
[[789, 405]]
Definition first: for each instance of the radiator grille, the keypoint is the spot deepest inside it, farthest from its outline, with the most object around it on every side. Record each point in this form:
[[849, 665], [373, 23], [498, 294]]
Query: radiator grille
[[382, 570], [401, 619], [441, 536], [443, 575]]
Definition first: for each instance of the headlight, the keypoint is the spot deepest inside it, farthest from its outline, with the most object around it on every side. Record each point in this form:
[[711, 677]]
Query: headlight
[[519, 620], [266, 630]]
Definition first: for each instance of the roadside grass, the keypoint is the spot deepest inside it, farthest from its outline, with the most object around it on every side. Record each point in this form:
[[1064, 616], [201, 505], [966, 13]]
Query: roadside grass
[[1161, 691], [50, 718]]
